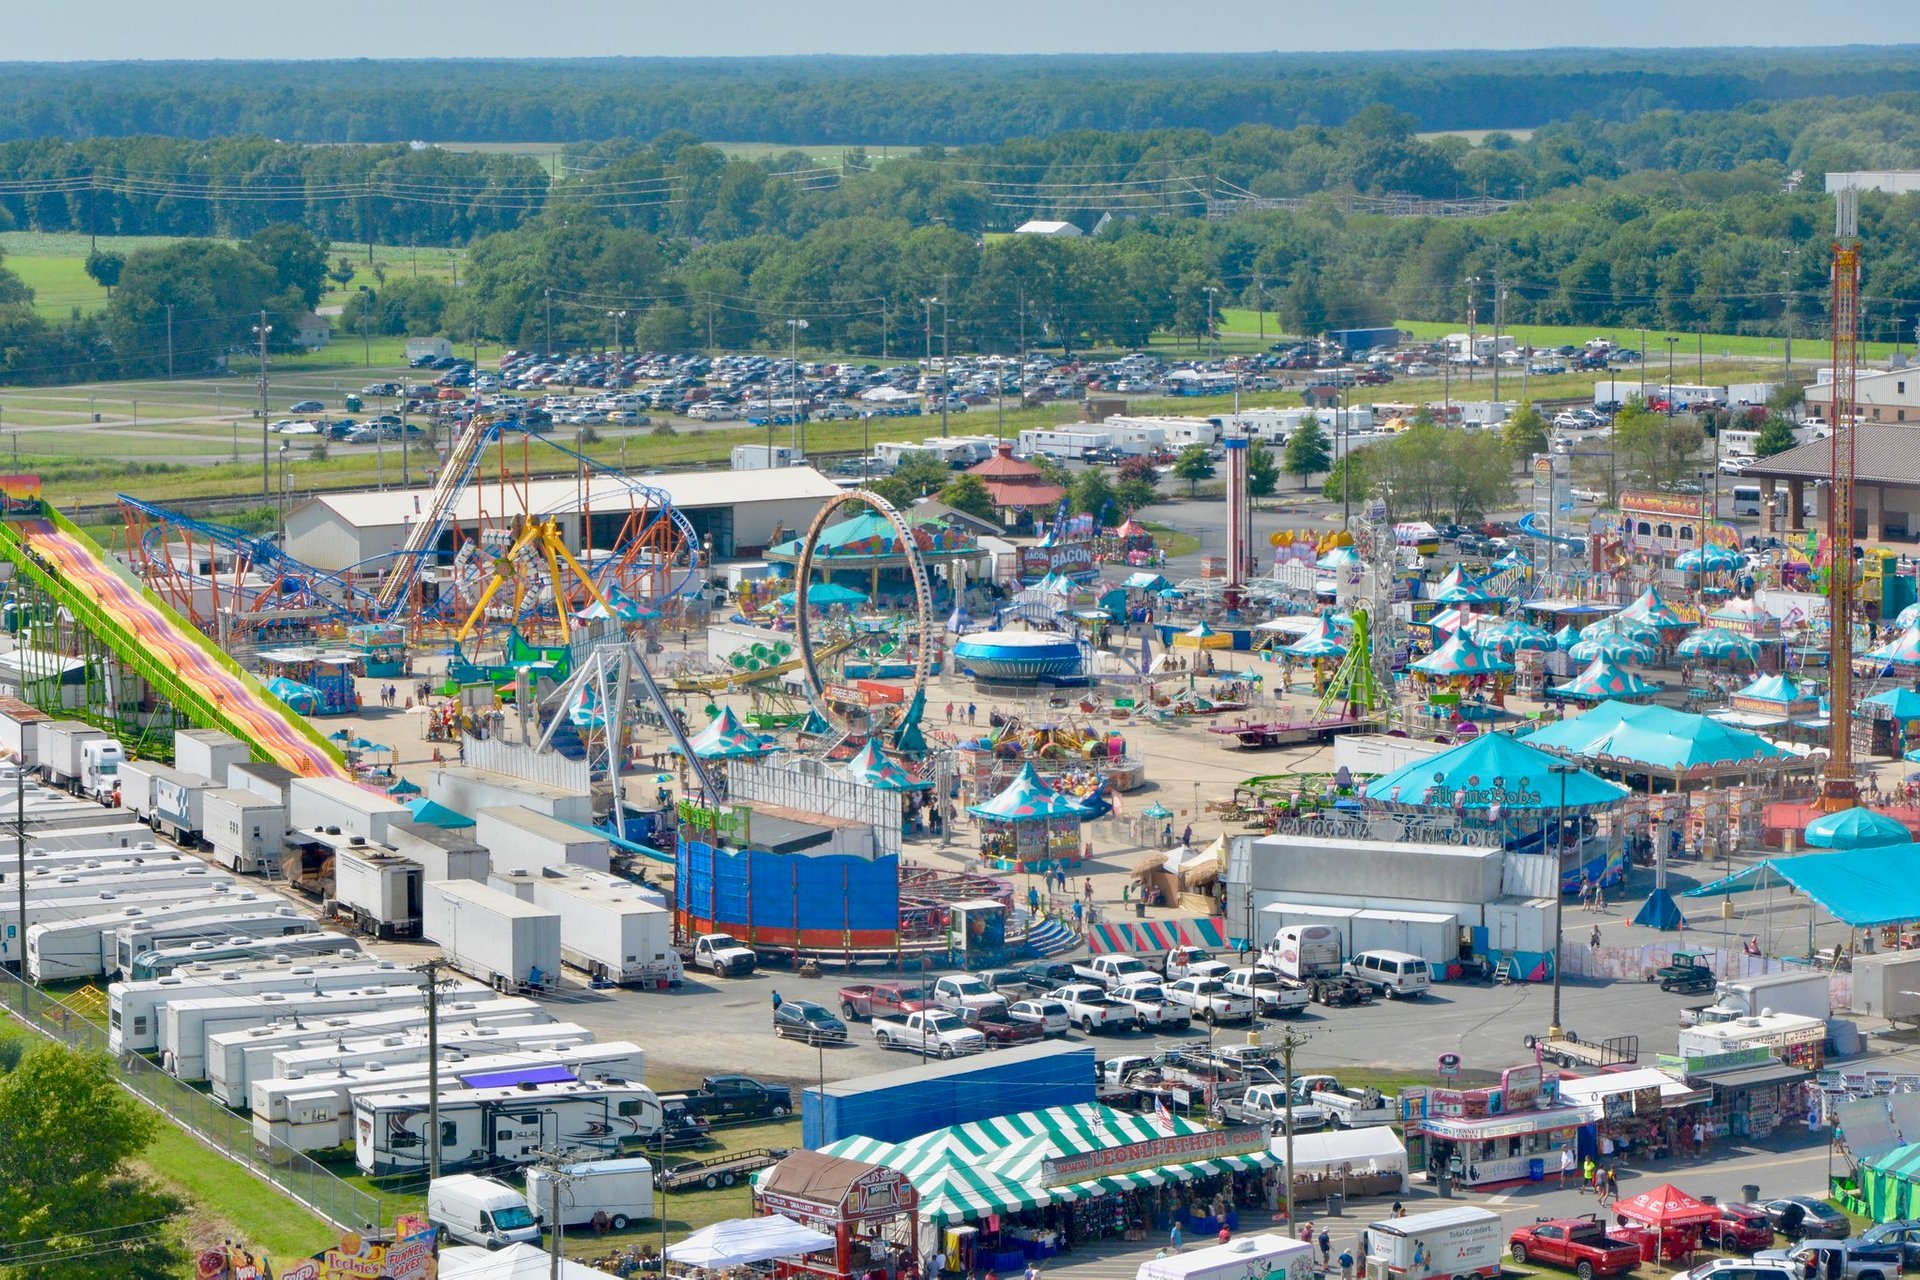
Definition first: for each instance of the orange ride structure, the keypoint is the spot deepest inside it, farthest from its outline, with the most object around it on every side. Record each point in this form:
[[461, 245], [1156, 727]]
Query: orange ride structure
[[96, 644], [1839, 790]]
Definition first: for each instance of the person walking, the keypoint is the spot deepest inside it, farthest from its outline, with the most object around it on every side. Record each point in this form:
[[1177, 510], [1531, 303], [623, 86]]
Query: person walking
[[1586, 1175], [1326, 1247], [776, 1002], [1613, 1184], [1087, 889], [1566, 1164], [1593, 942], [1173, 1236]]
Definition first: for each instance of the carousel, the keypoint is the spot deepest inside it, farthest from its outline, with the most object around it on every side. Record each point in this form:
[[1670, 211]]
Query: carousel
[[1030, 822]]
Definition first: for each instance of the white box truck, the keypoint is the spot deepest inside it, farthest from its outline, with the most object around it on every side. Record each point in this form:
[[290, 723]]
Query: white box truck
[[60, 757], [100, 768], [758, 457], [208, 753], [482, 1211], [493, 936], [379, 889], [20, 730], [245, 830], [179, 807], [1804, 993], [1462, 1241], [520, 839], [1886, 984], [421, 349], [1263, 1255], [609, 930], [620, 1189]]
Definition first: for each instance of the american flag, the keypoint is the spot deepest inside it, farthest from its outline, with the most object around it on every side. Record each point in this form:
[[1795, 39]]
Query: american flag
[[1162, 1116]]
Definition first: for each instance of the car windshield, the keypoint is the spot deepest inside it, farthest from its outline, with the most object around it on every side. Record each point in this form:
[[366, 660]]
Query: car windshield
[[942, 1022], [814, 1013], [1150, 995], [969, 986], [513, 1218]]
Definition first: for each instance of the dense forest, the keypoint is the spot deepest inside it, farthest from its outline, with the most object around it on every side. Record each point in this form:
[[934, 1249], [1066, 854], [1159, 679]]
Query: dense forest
[[950, 100]]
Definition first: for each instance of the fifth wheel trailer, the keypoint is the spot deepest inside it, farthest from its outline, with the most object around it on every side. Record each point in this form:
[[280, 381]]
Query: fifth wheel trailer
[[315, 1113], [133, 1007], [129, 877], [107, 829], [237, 1058], [81, 946], [162, 961], [503, 1125], [106, 902], [61, 861], [493, 936], [379, 889], [185, 1026], [459, 1041]]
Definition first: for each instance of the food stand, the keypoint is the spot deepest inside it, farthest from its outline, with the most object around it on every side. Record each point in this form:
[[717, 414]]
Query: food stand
[[1511, 1132], [868, 1209]]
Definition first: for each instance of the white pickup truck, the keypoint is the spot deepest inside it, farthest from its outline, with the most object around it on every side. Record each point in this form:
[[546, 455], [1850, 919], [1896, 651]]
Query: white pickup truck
[[1114, 971], [721, 955], [1091, 1009], [1210, 1000], [1267, 1104], [963, 991], [931, 1033], [1347, 1108], [1272, 995], [1150, 1006]]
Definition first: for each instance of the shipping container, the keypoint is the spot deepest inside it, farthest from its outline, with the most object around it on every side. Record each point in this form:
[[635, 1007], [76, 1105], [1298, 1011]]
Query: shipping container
[[517, 838], [245, 830], [380, 890], [895, 1105], [208, 753], [236, 1058], [493, 936]]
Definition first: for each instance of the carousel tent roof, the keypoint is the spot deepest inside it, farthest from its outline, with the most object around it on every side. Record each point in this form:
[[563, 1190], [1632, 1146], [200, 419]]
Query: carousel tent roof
[[870, 766], [1781, 689], [1616, 648], [1464, 594], [1461, 655], [1324, 641], [1856, 828], [1523, 771], [1566, 637], [1603, 679], [727, 739], [1654, 736], [1717, 644], [1650, 608], [1028, 797], [998, 1165]]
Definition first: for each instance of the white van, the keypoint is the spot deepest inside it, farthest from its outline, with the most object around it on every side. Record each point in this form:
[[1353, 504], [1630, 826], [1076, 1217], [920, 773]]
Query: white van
[[482, 1211], [1394, 974], [1746, 500]]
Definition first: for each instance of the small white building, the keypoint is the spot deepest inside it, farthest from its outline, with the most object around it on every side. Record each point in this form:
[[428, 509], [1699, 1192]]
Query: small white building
[[1042, 227], [1893, 396], [1899, 182]]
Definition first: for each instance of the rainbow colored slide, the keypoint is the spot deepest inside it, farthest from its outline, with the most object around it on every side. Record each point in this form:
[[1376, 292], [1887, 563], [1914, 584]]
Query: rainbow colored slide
[[208, 687]]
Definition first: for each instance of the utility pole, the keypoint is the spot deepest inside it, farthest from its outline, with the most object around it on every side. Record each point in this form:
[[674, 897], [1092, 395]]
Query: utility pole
[[1290, 1041], [1499, 314], [1213, 348], [556, 1171], [432, 969], [946, 358], [261, 331], [1786, 296], [1260, 305], [1473, 347], [549, 321], [20, 878], [169, 342]]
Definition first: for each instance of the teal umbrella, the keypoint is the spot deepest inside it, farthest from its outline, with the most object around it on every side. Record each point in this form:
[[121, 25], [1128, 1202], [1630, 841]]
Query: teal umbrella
[[1856, 828], [403, 788], [1157, 811]]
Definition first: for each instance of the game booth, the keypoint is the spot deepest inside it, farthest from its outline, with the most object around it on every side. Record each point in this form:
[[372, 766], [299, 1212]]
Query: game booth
[[868, 1209], [1510, 1132]]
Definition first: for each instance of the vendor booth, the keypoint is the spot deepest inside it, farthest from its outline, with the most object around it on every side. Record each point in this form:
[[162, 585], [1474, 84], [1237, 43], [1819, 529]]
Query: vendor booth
[[1346, 1162], [999, 1193], [1665, 1222], [1754, 1092], [1029, 822], [864, 1212], [1510, 1132], [1645, 1113]]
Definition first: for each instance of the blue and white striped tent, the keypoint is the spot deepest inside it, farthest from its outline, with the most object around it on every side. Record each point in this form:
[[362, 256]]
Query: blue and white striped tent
[[997, 1165]]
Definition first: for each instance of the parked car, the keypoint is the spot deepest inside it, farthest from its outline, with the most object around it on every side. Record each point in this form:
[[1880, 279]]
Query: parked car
[[1858, 1260], [1740, 1228], [1210, 1000], [1905, 1233], [808, 1023], [1741, 1269], [1049, 1015], [307, 406], [1805, 1218], [1581, 1245]]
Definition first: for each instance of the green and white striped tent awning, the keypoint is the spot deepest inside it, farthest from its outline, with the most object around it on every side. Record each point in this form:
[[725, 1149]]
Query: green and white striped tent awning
[[997, 1165]]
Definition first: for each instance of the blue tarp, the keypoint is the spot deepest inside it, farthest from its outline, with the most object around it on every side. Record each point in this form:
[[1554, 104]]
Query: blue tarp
[[518, 1076], [1660, 912], [1858, 887]]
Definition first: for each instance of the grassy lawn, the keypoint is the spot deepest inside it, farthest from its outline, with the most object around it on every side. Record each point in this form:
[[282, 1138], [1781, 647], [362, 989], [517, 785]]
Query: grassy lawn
[[1173, 542], [822, 153], [229, 1201]]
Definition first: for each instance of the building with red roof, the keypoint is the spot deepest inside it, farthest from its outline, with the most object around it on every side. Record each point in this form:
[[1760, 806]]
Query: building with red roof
[[1017, 487]]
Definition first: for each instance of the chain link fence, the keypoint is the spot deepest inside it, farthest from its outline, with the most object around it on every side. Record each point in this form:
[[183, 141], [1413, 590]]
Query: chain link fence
[[293, 1172]]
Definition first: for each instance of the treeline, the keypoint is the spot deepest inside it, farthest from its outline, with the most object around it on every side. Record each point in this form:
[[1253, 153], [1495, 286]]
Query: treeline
[[951, 100], [676, 187]]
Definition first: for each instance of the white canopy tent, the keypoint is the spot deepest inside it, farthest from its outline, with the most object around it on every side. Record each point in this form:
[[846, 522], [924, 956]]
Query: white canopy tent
[[1375, 1149], [739, 1241], [515, 1262]]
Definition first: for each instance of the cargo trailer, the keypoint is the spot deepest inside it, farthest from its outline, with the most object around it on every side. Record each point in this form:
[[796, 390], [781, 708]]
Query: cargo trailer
[[520, 839], [607, 928], [315, 1113], [339, 807], [61, 760], [246, 831], [491, 935], [208, 753], [442, 854], [20, 730], [137, 780], [268, 781], [179, 807], [380, 890]]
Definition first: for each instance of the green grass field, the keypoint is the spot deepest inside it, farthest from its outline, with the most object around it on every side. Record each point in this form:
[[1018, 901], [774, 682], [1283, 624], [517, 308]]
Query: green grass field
[[230, 1202], [824, 153]]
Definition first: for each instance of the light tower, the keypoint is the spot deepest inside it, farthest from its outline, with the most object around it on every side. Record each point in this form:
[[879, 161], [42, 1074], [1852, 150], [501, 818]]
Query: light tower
[[1838, 790], [1239, 511]]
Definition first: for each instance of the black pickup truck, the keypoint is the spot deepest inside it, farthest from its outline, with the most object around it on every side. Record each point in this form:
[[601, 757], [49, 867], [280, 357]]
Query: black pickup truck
[[735, 1098]]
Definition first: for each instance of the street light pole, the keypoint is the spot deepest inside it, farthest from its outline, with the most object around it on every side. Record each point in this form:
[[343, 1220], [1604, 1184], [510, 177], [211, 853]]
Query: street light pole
[[1473, 346], [1672, 342], [1213, 347], [1564, 771], [261, 331], [793, 386]]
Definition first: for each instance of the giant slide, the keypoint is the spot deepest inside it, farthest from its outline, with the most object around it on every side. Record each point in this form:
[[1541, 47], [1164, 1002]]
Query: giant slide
[[204, 684]]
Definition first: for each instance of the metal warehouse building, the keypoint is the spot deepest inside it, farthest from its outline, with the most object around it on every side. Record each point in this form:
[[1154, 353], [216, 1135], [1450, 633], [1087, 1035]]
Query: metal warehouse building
[[740, 511]]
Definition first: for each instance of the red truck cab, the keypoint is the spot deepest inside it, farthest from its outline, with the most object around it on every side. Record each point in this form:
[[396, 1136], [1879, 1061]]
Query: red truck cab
[[1581, 1245], [865, 1002]]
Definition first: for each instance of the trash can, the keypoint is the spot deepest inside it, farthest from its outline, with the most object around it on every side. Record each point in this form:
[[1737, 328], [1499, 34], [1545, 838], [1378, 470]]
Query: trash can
[[1446, 1185], [1336, 1204], [1750, 1192], [1140, 909], [1536, 1170]]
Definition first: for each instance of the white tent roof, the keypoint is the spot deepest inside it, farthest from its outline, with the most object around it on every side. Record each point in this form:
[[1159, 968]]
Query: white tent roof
[[1373, 1148], [1589, 1089], [737, 1242], [515, 1262]]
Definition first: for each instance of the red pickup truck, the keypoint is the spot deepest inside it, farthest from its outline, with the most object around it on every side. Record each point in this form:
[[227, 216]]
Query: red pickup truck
[[1581, 1245], [882, 1000], [999, 1029]]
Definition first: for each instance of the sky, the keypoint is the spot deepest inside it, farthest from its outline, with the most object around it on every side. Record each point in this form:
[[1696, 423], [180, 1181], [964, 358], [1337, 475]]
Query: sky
[[90, 30]]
